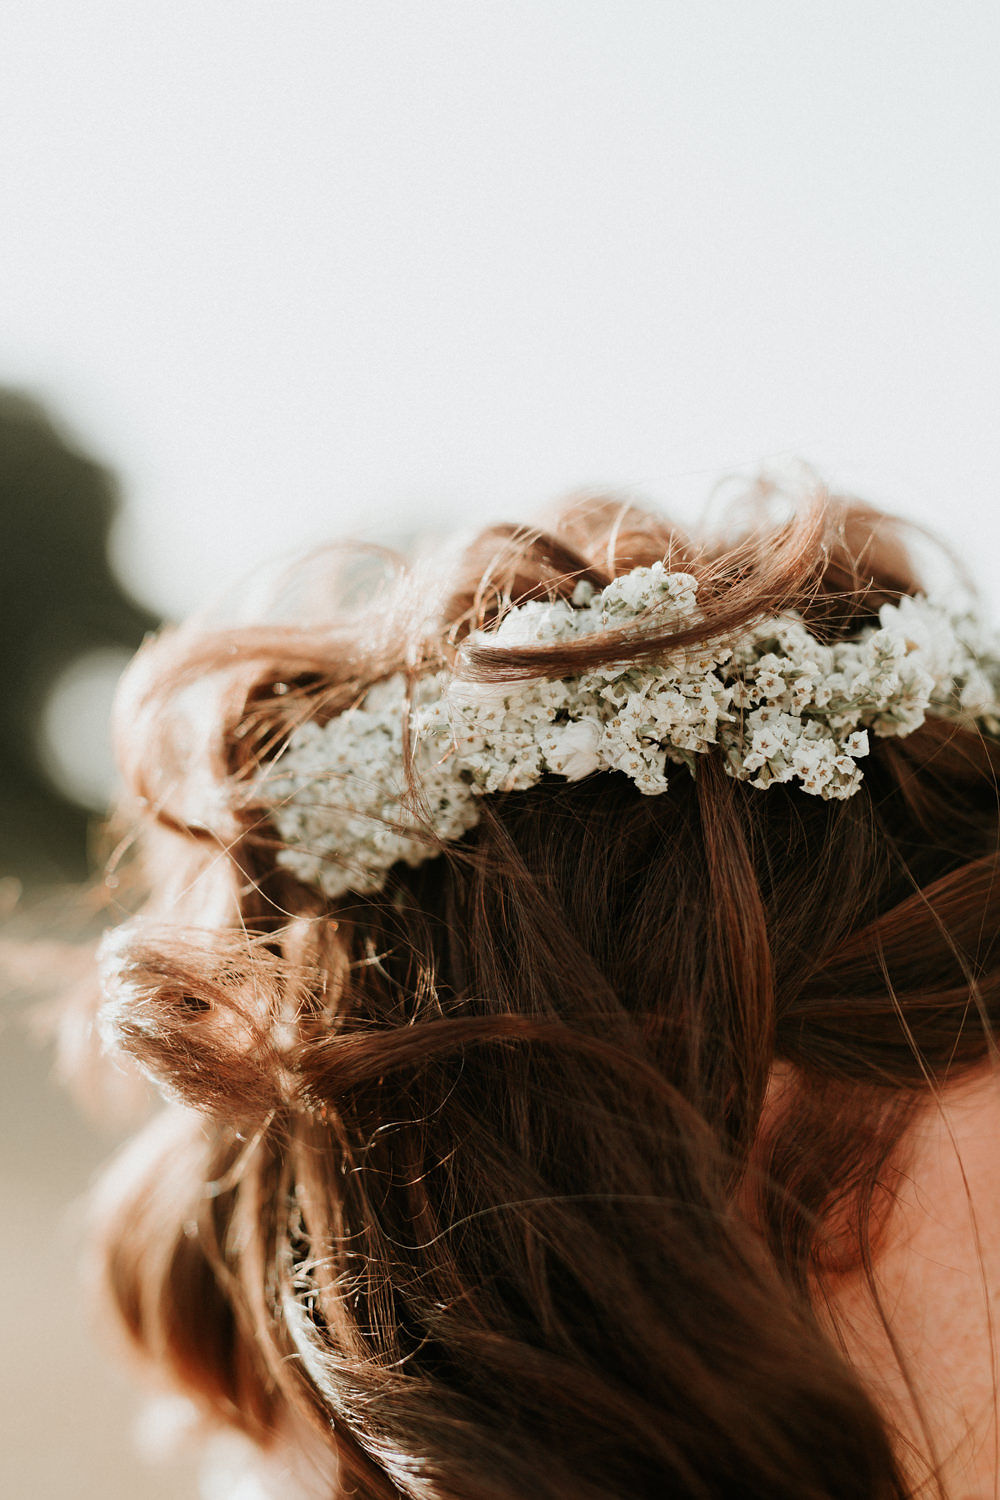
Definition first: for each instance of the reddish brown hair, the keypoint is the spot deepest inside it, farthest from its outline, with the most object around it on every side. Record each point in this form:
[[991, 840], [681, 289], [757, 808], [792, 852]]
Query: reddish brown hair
[[474, 1175]]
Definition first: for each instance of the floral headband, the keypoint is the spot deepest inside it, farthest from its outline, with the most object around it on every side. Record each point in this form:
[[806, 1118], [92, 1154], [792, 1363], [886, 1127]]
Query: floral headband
[[780, 704]]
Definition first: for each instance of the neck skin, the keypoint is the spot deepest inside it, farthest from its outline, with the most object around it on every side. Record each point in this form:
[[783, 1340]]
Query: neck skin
[[937, 1276]]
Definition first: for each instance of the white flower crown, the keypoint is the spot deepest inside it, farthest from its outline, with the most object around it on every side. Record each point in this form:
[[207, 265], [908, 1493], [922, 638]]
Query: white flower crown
[[779, 703]]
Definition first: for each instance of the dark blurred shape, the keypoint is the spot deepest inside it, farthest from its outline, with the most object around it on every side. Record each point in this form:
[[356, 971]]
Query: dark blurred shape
[[58, 599]]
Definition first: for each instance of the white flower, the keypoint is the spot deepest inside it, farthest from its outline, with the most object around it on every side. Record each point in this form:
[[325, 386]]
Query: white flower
[[532, 624], [920, 629], [977, 696], [647, 588], [571, 750], [477, 696], [781, 705]]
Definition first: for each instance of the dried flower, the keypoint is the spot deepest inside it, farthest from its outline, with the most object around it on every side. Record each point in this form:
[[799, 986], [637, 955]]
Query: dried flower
[[782, 706]]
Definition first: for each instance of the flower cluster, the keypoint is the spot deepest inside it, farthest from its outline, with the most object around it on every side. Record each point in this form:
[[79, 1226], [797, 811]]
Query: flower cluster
[[780, 704], [339, 798]]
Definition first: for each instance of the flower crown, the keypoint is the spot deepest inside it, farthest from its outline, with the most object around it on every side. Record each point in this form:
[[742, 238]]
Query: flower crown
[[781, 705]]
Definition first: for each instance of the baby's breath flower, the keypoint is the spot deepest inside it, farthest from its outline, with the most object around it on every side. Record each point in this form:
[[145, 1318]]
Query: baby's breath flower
[[780, 705]]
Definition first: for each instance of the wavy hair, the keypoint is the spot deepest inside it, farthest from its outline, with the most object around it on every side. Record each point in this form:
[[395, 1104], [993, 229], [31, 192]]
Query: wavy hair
[[477, 1178]]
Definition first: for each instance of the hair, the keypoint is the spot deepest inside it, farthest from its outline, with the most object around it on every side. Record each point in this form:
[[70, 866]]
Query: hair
[[478, 1179]]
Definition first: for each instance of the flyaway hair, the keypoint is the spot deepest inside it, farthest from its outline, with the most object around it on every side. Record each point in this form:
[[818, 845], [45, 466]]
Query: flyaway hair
[[472, 1176]]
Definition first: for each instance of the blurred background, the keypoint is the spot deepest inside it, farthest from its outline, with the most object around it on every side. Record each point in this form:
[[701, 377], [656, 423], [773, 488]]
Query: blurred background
[[273, 272]]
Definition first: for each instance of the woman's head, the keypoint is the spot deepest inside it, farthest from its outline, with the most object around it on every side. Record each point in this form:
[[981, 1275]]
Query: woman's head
[[480, 1169]]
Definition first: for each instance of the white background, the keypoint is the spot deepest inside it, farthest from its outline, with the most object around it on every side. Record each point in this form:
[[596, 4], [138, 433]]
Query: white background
[[302, 267]]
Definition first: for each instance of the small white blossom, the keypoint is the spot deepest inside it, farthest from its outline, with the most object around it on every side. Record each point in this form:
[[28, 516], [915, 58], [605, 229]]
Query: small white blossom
[[781, 706], [571, 749], [649, 588]]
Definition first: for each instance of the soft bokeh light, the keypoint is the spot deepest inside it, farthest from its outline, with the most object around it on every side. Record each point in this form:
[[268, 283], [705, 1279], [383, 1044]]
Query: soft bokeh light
[[74, 732]]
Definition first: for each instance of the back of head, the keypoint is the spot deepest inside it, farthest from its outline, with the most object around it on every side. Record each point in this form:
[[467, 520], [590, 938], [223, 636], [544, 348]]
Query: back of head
[[479, 1170]]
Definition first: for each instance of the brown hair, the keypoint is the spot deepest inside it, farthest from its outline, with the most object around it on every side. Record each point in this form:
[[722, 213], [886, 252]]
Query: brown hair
[[474, 1176]]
